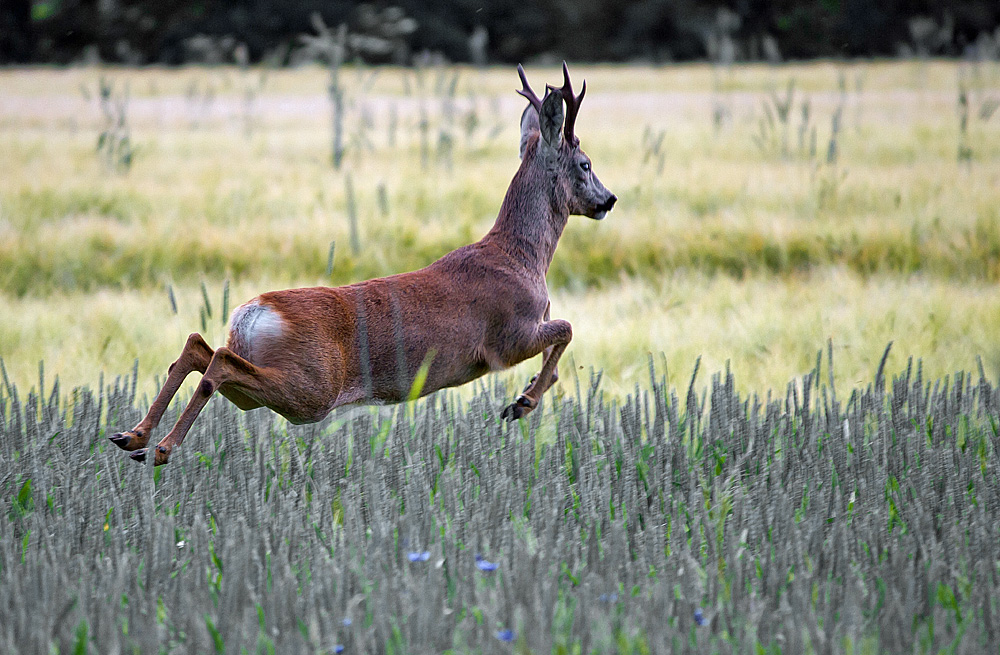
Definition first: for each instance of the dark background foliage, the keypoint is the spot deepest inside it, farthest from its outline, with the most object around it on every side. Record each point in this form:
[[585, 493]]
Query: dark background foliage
[[151, 31]]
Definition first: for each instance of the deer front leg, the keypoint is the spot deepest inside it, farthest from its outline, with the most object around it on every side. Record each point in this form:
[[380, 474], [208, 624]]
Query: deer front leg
[[545, 357], [552, 338], [552, 378], [195, 357]]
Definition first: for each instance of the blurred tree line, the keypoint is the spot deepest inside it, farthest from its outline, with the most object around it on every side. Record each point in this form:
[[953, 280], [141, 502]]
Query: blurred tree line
[[153, 31]]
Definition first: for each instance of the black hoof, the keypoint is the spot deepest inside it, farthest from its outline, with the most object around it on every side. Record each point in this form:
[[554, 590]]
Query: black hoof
[[121, 440], [521, 406], [511, 413], [139, 455], [128, 440]]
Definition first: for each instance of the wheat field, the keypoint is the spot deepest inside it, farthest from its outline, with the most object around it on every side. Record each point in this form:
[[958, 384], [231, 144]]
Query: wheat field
[[699, 481], [739, 237]]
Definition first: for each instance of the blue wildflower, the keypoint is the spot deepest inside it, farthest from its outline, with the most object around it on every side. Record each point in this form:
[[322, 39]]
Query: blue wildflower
[[608, 598], [485, 566], [339, 648], [419, 557], [506, 635], [347, 621], [700, 618]]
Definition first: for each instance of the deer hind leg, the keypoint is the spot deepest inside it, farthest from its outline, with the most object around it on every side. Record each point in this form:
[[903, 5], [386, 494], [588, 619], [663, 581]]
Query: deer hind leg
[[247, 386], [551, 338], [195, 357]]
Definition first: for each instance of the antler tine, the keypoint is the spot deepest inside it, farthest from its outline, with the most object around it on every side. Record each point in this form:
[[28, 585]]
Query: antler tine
[[527, 92], [572, 106]]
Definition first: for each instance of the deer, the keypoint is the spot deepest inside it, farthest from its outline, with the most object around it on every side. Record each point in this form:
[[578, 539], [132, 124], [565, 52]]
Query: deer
[[481, 308]]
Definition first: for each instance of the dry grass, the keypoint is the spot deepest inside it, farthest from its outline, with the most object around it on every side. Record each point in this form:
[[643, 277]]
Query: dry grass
[[766, 331], [718, 248], [856, 519]]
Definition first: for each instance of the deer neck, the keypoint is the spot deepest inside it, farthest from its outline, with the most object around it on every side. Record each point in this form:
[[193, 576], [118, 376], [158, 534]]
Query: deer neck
[[531, 220]]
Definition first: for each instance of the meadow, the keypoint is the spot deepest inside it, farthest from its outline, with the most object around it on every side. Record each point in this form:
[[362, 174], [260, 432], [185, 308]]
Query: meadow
[[811, 521], [738, 237], [732, 461]]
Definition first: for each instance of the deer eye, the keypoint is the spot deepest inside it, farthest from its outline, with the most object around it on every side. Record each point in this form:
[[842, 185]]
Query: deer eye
[[585, 165]]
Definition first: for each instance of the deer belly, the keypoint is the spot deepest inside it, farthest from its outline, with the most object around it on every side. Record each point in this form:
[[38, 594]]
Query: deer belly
[[253, 329]]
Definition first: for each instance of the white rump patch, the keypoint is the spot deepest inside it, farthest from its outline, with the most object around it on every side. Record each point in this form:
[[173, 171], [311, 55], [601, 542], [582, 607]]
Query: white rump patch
[[252, 325]]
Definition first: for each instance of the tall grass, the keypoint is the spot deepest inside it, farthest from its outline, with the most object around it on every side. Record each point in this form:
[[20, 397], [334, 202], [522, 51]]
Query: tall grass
[[816, 519], [767, 332], [699, 200], [643, 508]]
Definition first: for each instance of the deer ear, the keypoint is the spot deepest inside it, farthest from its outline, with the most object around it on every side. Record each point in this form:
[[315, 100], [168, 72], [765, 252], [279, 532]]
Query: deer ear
[[529, 125], [551, 120]]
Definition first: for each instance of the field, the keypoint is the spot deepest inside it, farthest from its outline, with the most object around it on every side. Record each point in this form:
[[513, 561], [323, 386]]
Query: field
[[806, 491], [813, 522], [726, 244]]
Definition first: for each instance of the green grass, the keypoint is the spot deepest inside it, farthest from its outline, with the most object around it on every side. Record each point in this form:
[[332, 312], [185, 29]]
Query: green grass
[[764, 330], [859, 519], [86, 257], [839, 514]]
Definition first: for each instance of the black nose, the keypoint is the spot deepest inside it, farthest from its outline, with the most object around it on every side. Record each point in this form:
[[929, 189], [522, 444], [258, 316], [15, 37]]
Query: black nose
[[609, 203]]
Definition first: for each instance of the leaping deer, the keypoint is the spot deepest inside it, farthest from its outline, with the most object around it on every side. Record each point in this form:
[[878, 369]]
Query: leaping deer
[[481, 308]]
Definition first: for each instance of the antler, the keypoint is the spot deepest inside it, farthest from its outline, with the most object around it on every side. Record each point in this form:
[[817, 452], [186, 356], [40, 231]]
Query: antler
[[527, 92], [572, 101], [572, 105]]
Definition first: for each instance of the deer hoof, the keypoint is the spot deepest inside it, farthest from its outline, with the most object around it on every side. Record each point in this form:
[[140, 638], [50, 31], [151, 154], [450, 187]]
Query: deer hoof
[[161, 455], [521, 406], [511, 413], [130, 440]]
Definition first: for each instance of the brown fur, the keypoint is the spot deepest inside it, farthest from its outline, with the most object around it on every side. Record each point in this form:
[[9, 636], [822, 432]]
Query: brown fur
[[480, 308]]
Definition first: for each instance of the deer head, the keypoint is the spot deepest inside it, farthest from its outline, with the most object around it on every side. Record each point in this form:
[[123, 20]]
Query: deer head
[[547, 136]]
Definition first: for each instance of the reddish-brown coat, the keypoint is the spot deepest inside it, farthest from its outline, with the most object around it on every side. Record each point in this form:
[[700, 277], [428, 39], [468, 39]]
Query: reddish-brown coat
[[480, 308]]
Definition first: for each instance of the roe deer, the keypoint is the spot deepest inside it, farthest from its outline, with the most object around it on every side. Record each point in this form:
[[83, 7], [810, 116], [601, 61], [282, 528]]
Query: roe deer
[[481, 308]]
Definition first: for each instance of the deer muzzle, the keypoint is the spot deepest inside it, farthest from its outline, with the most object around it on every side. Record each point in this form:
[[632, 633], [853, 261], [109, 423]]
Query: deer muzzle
[[605, 207]]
